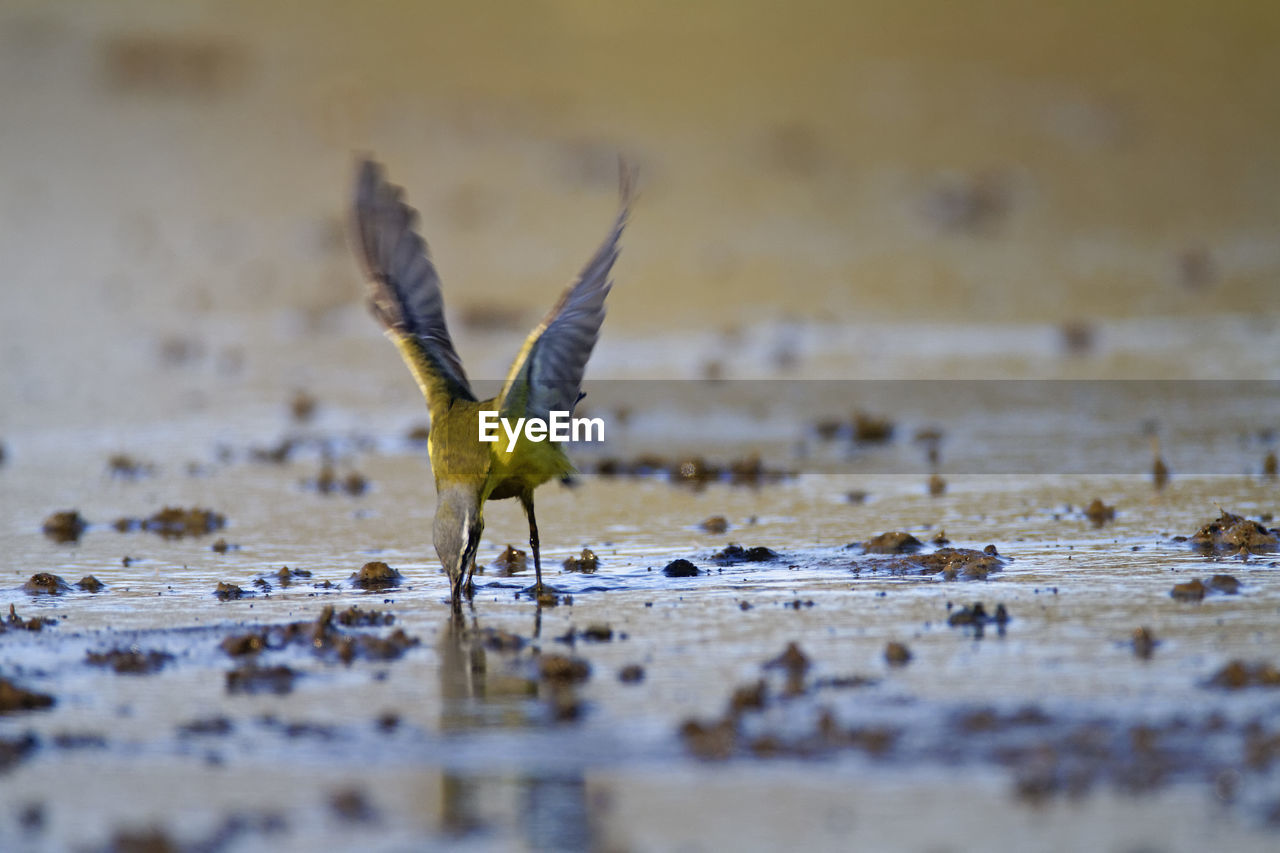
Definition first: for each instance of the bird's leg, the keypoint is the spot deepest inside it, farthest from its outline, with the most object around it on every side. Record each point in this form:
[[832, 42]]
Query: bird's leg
[[526, 500]]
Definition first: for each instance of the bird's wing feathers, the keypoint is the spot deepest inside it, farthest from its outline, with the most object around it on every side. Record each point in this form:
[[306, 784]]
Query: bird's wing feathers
[[405, 293], [547, 374]]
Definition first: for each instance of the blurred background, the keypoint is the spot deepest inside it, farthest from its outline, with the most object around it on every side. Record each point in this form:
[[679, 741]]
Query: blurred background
[[828, 189]]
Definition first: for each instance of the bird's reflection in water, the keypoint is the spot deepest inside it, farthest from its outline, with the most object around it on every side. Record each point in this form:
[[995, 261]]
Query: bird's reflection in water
[[547, 810], [475, 695]]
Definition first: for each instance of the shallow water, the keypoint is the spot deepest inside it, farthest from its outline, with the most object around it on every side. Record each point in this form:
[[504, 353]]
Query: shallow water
[[478, 756]]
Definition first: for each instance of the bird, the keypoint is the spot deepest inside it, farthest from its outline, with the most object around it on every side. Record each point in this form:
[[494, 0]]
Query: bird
[[406, 298]]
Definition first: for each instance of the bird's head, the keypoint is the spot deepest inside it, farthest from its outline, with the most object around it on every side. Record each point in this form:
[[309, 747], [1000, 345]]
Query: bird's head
[[458, 526]]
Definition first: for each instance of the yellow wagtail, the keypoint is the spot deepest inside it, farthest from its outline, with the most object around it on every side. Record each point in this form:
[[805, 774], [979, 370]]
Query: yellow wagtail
[[406, 298]]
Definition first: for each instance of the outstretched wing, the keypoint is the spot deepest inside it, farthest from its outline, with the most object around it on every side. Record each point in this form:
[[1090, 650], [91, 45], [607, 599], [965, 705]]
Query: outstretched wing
[[547, 374], [404, 291]]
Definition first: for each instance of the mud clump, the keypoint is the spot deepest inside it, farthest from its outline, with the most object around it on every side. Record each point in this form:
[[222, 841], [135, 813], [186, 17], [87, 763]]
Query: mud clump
[[497, 640], [391, 647], [17, 623], [1192, 590], [45, 583], [562, 669], [977, 618], [245, 644], [695, 471], [1159, 473], [1231, 533], [937, 486], [376, 575], [15, 698], [174, 522], [1239, 674], [126, 467], [716, 524], [681, 569], [632, 673], [735, 554], [586, 563], [324, 638], [303, 406], [897, 654], [511, 561], [354, 617], [352, 806], [795, 664], [228, 591], [951, 563], [893, 542], [252, 678], [1099, 513], [287, 576], [1226, 584], [64, 526], [729, 735], [16, 750], [597, 632], [211, 726], [1144, 642], [711, 741], [132, 661], [551, 598], [872, 429], [327, 482], [275, 455], [89, 583]]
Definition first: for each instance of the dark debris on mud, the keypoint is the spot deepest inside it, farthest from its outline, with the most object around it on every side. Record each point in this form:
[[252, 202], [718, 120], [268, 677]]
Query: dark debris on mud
[[173, 522], [1239, 674], [46, 583], [948, 563], [229, 592], [89, 583], [976, 618], [326, 639], [739, 731], [131, 661], [14, 698], [1098, 513], [329, 482], [1046, 756], [252, 678], [733, 554], [695, 471], [681, 569], [15, 750], [511, 561], [14, 622], [376, 575], [1196, 589], [1233, 533], [892, 542], [586, 563], [64, 526]]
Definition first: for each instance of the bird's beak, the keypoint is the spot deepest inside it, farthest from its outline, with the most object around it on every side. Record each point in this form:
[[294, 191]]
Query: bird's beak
[[459, 577]]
